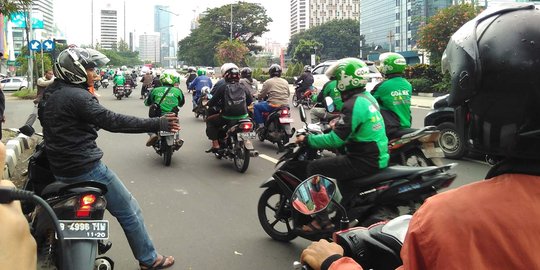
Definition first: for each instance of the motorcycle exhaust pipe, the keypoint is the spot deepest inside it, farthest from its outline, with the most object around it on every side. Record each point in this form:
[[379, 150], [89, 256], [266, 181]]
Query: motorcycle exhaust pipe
[[253, 153]]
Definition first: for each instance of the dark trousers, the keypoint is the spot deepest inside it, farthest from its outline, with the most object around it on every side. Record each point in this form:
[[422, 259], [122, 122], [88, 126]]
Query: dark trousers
[[300, 92], [213, 126]]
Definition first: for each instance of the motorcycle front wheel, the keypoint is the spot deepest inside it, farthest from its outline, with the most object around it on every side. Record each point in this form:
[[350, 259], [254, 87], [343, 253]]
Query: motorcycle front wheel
[[275, 215], [295, 101], [166, 152], [241, 158]]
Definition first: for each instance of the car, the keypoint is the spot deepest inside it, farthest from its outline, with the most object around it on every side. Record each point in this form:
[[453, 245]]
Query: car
[[13, 83], [320, 78]]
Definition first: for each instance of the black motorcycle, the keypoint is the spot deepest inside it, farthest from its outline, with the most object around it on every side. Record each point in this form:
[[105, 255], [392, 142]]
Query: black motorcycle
[[236, 143], [277, 127], [376, 197], [202, 107], [119, 91], [167, 143]]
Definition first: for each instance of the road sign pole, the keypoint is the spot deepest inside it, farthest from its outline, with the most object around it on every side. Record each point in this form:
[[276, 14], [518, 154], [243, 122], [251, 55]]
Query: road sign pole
[[31, 59], [42, 66]]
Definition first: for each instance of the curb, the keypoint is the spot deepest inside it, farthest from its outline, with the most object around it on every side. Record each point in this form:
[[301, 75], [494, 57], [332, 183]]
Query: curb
[[14, 149]]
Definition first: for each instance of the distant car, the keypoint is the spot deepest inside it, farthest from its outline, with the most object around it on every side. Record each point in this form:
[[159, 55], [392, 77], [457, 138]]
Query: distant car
[[13, 84], [320, 78]]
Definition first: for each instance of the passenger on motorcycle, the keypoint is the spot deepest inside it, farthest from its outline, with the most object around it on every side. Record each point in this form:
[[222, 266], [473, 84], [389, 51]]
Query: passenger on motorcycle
[[394, 94], [360, 130], [275, 93], [231, 100], [169, 98], [156, 82], [319, 112], [196, 85], [304, 82], [190, 76], [119, 80], [70, 117], [248, 82], [147, 80]]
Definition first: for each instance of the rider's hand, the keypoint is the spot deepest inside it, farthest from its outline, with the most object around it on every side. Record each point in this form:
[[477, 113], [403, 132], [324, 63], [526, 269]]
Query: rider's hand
[[317, 252], [300, 139], [169, 122]]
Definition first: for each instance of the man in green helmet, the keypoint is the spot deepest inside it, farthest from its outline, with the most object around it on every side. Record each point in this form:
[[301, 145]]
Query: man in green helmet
[[319, 113], [394, 94], [360, 130]]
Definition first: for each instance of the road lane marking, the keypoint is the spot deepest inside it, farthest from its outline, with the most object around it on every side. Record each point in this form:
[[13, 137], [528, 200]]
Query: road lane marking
[[271, 159]]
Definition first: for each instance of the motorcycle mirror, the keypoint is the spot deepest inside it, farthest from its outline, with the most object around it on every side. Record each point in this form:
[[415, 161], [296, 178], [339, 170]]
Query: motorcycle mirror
[[314, 194], [302, 114], [329, 104], [27, 130]]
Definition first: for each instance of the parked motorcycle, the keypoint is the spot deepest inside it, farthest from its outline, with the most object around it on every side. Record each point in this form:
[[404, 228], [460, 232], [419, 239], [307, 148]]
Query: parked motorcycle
[[119, 91], [202, 107], [277, 127], [306, 98], [376, 197], [105, 83], [236, 145], [167, 143]]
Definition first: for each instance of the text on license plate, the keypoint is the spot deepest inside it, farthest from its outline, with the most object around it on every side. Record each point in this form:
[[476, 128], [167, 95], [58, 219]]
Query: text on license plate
[[166, 133], [85, 229], [286, 120], [246, 135]]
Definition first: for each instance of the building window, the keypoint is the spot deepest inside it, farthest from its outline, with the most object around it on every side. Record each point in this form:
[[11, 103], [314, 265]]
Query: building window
[[397, 29], [397, 16], [397, 3]]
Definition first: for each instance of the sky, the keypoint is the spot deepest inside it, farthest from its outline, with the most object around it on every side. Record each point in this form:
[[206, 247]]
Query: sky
[[76, 25]]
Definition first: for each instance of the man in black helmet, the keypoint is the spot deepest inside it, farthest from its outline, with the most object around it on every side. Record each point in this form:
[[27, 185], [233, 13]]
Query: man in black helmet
[[493, 62]]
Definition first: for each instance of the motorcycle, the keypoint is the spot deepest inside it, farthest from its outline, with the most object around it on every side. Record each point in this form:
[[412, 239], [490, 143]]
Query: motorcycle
[[105, 83], [74, 233], [167, 143], [147, 92], [236, 145], [119, 91], [97, 84], [277, 127], [306, 97], [127, 90], [202, 108], [376, 197]]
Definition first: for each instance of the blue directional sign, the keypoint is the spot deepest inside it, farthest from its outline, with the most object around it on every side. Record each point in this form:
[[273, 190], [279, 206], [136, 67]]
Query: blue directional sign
[[34, 45], [48, 45]]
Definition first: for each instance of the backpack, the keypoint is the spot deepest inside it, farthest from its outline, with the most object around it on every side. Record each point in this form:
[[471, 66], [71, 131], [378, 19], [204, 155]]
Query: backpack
[[234, 100]]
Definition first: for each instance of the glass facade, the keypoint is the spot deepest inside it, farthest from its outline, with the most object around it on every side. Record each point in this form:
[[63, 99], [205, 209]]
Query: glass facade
[[162, 23], [377, 22]]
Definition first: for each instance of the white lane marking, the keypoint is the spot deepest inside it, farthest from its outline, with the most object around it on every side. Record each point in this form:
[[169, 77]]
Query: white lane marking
[[271, 159]]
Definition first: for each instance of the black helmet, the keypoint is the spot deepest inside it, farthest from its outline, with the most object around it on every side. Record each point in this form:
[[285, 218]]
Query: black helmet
[[71, 64], [275, 70], [307, 68], [494, 62], [230, 72], [246, 73]]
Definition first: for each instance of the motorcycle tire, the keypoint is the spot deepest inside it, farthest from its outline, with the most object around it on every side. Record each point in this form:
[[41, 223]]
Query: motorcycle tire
[[416, 158], [310, 104], [295, 102], [384, 213], [127, 95], [119, 97], [167, 153], [241, 158], [280, 228], [260, 134]]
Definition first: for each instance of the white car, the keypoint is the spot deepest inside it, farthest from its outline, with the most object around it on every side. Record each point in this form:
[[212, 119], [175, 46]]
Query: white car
[[13, 84], [320, 78]]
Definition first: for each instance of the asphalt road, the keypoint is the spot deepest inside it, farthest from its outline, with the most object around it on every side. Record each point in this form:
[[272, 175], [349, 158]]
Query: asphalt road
[[199, 209]]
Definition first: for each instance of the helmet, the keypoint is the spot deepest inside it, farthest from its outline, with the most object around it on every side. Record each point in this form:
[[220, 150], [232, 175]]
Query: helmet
[[191, 69], [201, 71], [71, 64], [307, 68], [246, 73], [123, 68], [350, 73], [495, 89], [169, 77], [392, 63], [230, 72], [275, 70]]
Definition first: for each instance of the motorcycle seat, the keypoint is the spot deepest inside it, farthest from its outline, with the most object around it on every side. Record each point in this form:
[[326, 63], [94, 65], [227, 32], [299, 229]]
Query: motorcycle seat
[[387, 174], [60, 188]]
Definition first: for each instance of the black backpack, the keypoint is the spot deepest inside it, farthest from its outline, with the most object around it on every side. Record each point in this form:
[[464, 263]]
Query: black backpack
[[234, 100]]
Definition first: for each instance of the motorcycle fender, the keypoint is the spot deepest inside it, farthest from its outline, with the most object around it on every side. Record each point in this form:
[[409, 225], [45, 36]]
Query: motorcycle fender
[[169, 140], [79, 254], [288, 130], [270, 182]]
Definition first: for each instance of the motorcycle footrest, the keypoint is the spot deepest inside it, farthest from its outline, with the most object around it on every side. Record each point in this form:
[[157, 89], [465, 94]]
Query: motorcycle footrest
[[103, 246]]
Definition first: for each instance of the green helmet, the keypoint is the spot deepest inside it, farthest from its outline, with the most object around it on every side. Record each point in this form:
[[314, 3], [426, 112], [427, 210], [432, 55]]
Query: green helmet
[[350, 73], [169, 77], [201, 71], [392, 63]]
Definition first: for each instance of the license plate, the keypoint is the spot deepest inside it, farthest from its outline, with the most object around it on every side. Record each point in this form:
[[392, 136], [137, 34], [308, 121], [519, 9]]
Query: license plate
[[286, 120], [432, 151], [166, 133], [246, 135], [85, 229]]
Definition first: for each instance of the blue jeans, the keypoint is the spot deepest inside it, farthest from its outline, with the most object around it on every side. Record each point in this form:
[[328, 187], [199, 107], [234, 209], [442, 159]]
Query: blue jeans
[[122, 205], [258, 110]]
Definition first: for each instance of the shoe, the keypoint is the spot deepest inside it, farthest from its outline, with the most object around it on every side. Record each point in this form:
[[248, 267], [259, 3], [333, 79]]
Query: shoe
[[178, 143], [141, 98], [152, 140]]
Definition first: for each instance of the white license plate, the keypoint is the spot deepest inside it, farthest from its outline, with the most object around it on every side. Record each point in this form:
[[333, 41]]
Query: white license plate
[[85, 229], [246, 135], [166, 133], [286, 120]]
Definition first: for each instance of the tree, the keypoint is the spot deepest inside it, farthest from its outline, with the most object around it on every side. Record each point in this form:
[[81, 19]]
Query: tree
[[231, 51], [339, 39], [123, 46], [434, 36], [8, 7], [304, 50]]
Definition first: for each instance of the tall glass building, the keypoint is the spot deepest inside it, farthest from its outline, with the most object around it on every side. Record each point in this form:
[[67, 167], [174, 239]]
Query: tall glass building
[[162, 25]]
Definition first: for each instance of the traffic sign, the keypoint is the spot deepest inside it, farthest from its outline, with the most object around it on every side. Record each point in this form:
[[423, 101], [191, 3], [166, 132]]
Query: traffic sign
[[48, 45], [34, 45]]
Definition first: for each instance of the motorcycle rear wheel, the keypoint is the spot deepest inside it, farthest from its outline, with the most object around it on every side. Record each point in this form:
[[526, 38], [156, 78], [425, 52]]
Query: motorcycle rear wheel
[[241, 158], [275, 215], [167, 153], [295, 102]]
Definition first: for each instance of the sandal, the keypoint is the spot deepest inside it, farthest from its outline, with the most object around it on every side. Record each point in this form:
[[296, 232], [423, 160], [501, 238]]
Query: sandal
[[159, 263]]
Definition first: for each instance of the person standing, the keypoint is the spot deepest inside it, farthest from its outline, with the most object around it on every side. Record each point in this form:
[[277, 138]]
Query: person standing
[[42, 83]]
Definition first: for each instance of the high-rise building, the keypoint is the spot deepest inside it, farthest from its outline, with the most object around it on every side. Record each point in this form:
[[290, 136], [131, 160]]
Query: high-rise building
[[162, 24], [306, 14], [149, 47], [46, 9], [108, 23]]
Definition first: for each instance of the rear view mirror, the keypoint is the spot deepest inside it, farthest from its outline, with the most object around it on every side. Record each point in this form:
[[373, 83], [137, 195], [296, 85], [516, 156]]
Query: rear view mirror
[[330, 107], [302, 114], [314, 194]]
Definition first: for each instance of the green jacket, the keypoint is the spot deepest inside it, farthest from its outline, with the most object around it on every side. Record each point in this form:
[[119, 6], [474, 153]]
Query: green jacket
[[330, 90], [119, 80], [361, 130], [174, 98], [394, 94]]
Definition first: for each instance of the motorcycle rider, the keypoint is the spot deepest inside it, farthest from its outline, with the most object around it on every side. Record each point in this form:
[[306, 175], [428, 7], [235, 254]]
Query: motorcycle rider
[[495, 94], [171, 103], [275, 93], [156, 82], [319, 112], [360, 130], [394, 94], [147, 80], [190, 76], [304, 82], [248, 82], [70, 117], [229, 111], [196, 85]]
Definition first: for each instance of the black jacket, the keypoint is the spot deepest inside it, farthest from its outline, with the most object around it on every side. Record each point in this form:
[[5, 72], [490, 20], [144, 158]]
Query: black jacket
[[305, 81], [70, 117], [218, 95]]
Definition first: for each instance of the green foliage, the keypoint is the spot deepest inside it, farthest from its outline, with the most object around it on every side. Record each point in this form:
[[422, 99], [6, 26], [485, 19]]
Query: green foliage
[[261, 78], [295, 70], [122, 58], [123, 46], [249, 22], [25, 93], [421, 85], [443, 86], [423, 71], [257, 72], [339, 39], [8, 7], [231, 52], [437, 32], [304, 50], [47, 62]]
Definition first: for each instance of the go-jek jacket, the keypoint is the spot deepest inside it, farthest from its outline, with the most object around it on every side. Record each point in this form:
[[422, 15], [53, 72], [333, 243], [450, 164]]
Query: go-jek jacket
[[174, 98], [394, 94]]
